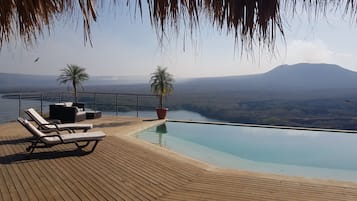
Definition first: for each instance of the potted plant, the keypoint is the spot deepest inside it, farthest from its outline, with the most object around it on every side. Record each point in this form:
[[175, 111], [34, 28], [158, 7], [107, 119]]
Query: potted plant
[[162, 84]]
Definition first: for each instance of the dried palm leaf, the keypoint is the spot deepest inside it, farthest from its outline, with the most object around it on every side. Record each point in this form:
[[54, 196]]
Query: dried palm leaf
[[250, 21]]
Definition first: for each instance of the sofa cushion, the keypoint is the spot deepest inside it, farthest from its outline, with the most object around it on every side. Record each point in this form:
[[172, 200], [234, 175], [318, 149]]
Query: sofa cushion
[[68, 104], [81, 113], [78, 109]]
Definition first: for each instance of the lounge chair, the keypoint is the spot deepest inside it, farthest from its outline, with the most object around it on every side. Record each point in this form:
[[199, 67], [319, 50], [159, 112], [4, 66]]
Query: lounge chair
[[42, 140], [47, 127]]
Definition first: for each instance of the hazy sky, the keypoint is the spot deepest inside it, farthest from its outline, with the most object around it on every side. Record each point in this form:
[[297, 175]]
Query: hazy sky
[[128, 46]]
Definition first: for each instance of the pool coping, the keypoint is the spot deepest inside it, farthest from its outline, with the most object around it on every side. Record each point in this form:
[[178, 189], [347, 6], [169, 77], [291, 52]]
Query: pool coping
[[265, 126]]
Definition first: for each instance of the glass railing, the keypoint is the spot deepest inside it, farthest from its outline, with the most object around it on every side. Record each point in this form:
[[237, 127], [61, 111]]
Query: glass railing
[[127, 104]]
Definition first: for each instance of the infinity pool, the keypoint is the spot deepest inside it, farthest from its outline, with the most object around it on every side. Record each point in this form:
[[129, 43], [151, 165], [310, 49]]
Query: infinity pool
[[315, 154]]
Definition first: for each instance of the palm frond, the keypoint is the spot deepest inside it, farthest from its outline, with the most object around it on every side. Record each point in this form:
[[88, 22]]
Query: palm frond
[[161, 82], [72, 73], [250, 21], [75, 75]]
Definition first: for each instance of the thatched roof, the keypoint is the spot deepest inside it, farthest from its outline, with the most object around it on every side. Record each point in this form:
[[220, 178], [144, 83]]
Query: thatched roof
[[251, 21], [28, 19]]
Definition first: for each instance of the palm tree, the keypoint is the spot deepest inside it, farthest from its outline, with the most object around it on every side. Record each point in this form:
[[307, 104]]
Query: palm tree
[[162, 83], [74, 74]]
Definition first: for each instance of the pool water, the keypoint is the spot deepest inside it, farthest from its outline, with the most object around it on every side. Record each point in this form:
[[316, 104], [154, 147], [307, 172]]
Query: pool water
[[315, 154]]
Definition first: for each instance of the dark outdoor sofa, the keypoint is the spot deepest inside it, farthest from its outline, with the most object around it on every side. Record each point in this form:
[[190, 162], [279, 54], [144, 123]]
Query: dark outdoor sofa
[[68, 112]]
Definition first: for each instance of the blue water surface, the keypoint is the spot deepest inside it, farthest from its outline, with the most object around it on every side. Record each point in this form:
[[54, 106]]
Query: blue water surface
[[316, 154]]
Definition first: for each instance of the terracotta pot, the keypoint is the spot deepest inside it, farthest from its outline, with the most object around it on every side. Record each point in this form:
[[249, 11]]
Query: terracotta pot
[[161, 112]]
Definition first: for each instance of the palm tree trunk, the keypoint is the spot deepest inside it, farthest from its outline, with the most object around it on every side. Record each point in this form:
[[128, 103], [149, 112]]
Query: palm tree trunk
[[75, 92], [161, 101]]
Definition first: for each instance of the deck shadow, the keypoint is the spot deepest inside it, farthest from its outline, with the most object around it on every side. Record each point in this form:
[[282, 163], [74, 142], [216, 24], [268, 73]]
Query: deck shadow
[[15, 141], [24, 156], [149, 120], [113, 124]]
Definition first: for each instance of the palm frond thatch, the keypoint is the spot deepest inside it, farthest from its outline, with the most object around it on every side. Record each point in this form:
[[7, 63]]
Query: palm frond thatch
[[249, 21], [28, 19]]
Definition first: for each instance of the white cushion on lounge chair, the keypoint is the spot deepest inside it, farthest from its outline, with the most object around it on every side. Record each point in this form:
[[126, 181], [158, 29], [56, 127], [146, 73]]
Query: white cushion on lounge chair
[[70, 126], [67, 138], [37, 116], [34, 131], [46, 125], [42, 140], [75, 137]]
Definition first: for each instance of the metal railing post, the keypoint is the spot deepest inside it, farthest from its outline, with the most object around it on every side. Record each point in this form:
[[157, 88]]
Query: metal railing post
[[116, 104], [20, 105], [137, 106], [41, 104], [94, 102]]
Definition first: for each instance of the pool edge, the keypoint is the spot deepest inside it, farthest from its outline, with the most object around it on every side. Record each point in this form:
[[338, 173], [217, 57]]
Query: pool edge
[[265, 126]]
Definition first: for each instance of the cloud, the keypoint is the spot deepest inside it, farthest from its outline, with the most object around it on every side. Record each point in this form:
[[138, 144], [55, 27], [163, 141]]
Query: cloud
[[315, 51]]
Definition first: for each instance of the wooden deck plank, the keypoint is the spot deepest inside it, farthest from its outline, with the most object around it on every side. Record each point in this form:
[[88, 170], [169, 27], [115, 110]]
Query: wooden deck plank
[[44, 181], [49, 171], [106, 173], [20, 184], [121, 187], [27, 183], [84, 182], [4, 186], [8, 177], [107, 189], [10, 185], [140, 189], [56, 182], [163, 182], [216, 188], [74, 183], [5, 193], [145, 175], [32, 181], [122, 170], [28, 178]]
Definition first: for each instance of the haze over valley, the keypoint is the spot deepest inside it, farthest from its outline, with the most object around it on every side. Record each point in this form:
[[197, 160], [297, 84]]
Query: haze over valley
[[309, 95]]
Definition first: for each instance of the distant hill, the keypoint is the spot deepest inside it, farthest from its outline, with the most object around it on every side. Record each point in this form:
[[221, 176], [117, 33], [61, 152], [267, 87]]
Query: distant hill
[[284, 78], [303, 76], [13, 81], [306, 76]]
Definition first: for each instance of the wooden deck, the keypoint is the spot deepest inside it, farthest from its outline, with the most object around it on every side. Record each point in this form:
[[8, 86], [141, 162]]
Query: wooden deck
[[124, 168]]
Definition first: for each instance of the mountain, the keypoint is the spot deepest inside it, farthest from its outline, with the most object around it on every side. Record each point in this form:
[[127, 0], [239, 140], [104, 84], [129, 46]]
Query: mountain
[[298, 77], [14, 81], [306, 76], [284, 78]]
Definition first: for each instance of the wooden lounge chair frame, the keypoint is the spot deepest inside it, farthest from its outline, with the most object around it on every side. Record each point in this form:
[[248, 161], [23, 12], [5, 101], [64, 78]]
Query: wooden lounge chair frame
[[48, 127], [41, 140]]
